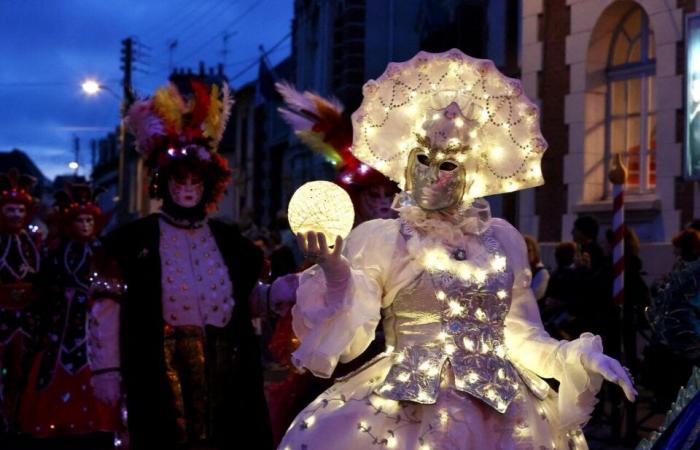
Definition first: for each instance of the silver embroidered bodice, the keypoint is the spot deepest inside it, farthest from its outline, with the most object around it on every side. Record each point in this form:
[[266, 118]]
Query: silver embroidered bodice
[[444, 322]]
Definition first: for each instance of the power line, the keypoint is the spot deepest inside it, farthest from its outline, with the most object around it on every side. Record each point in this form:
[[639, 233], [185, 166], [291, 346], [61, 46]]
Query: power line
[[177, 19], [242, 61], [35, 83], [240, 17], [194, 28], [257, 60]]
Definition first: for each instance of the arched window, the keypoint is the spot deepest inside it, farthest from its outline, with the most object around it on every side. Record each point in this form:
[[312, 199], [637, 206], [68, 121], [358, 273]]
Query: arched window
[[630, 105]]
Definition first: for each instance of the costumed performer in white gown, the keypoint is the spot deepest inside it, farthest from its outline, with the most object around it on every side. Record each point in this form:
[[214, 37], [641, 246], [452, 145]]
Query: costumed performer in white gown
[[466, 349]]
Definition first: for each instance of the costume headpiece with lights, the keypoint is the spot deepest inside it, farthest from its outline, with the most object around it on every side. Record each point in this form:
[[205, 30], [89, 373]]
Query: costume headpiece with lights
[[321, 124], [78, 199], [183, 125], [16, 188], [454, 107]]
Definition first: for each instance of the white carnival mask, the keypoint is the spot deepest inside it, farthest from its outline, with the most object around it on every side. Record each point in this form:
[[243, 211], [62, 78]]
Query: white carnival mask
[[186, 191], [84, 225]]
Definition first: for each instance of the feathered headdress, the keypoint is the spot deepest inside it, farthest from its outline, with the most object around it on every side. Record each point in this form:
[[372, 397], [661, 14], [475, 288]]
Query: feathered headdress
[[170, 124], [174, 126], [16, 188], [321, 124]]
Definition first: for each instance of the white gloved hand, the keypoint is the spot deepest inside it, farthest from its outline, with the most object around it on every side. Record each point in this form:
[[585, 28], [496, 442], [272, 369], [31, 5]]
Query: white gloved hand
[[107, 387], [611, 370], [335, 267]]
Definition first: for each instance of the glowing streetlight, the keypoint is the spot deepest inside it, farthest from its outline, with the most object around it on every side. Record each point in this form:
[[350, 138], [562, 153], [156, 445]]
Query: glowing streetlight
[[91, 87], [73, 165]]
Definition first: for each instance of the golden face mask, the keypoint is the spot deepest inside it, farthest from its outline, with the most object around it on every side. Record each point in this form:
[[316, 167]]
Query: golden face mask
[[435, 183]]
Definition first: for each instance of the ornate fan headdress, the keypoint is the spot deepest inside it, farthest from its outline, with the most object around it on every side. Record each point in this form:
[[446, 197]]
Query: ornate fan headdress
[[321, 124], [16, 188], [450, 103], [175, 126]]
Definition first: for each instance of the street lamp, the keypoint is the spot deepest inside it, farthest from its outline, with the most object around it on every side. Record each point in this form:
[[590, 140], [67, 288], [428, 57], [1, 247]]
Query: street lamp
[[92, 87], [73, 165]]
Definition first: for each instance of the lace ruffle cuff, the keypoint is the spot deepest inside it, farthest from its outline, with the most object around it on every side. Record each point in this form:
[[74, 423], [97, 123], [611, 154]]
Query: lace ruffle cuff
[[579, 387], [334, 325]]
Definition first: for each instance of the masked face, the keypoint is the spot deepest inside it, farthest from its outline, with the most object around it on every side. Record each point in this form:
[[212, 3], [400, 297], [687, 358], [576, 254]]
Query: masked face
[[435, 184], [186, 190], [375, 203], [84, 226], [14, 215]]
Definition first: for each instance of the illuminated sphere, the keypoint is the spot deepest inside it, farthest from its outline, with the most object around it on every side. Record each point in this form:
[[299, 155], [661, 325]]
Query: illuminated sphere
[[323, 207]]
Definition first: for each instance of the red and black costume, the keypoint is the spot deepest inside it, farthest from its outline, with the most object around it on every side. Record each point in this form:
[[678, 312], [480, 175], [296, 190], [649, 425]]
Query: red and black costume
[[181, 334], [58, 398], [19, 270]]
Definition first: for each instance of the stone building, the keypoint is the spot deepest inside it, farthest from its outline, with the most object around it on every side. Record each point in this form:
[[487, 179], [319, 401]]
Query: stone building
[[609, 78]]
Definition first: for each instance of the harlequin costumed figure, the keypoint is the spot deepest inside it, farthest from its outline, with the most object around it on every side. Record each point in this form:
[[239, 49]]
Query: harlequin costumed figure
[[466, 348], [19, 268], [181, 339], [58, 398]]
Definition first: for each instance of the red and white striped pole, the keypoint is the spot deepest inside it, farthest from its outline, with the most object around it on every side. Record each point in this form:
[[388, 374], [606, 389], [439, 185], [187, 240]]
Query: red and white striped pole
[[618, 178]]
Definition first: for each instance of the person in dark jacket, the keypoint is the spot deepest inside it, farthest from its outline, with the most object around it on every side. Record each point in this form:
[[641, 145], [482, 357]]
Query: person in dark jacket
[[595, 277], [174, 300]]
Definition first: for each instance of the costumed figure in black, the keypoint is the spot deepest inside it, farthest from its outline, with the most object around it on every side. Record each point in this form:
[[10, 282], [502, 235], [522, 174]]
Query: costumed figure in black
[[19, 268], [58, 399], [180, 342]]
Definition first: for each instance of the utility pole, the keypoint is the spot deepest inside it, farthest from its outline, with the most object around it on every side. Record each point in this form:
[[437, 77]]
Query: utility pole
[[76, 154], [93, 154], [225, 51], [127, 59], [172, 45]]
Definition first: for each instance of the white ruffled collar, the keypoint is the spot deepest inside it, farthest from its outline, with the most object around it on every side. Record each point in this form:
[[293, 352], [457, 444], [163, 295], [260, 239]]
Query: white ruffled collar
[[449, 227]]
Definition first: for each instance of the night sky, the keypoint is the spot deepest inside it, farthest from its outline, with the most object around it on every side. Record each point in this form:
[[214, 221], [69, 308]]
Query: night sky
[[49, 47]]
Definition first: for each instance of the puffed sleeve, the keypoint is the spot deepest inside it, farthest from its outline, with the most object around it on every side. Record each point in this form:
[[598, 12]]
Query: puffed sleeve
[[531, 347], [339, 326], [107, 289]]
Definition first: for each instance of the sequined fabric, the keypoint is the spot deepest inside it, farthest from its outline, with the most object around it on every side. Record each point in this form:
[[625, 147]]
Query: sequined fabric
[[441, 318], [19, 267], [196, 284]]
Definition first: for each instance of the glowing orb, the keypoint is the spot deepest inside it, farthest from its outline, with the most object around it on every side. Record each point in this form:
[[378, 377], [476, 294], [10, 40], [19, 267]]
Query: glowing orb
[[323, 207]]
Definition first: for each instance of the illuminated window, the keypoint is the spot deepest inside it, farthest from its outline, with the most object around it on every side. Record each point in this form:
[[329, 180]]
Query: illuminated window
[[630, 106]]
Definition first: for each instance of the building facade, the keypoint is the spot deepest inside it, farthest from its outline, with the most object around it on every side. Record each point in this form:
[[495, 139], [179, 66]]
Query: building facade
[[609, 78]]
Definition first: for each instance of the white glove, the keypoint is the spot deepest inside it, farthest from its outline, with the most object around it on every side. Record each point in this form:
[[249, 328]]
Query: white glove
[[335, 267], [611, 370], [107, 387]]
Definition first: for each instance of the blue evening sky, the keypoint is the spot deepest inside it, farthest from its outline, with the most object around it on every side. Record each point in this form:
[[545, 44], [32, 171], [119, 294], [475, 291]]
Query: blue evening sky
[[49, 46]]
